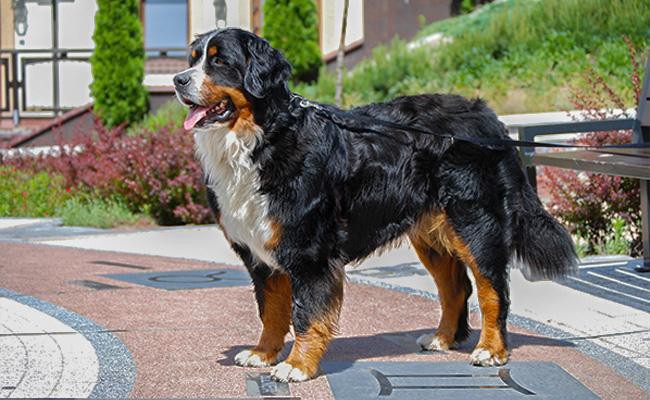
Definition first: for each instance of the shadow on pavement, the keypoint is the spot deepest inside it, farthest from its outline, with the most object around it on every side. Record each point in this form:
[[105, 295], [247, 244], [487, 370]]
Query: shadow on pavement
[[396, 344]]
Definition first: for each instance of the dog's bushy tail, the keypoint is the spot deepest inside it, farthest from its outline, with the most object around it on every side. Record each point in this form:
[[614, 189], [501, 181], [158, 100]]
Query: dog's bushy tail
[[544, 248]]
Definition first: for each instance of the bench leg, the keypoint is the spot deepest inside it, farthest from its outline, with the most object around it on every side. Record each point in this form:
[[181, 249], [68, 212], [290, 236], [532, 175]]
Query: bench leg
[[531, 173], [645, 224]]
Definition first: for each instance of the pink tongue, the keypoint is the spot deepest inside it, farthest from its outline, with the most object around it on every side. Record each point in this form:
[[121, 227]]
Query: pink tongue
[[195, 114]]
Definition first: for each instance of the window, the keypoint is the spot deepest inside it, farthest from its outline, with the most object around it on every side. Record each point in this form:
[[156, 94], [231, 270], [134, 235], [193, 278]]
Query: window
[[165, 23]]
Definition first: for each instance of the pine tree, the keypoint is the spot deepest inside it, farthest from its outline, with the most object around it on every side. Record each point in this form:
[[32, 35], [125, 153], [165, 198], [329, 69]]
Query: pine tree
[[291, 26], [118, 63]]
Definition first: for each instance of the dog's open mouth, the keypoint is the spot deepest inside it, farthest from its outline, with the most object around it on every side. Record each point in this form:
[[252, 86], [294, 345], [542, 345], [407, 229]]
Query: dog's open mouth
[[199, 115]]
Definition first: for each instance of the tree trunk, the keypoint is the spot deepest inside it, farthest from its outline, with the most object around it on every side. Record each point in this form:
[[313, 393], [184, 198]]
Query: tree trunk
[[339, 56]]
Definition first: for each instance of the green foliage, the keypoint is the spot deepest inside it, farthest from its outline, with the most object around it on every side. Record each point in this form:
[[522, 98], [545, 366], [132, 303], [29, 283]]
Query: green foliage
[[521, 55], [467, 6], [617, 243], [39, 194], [603, 210], [169, 116], [581, 246], [97, 212], [30, 195], [118, 63], [291, 26]]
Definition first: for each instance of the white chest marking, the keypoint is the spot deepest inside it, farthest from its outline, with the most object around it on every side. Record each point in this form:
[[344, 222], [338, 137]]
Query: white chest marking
[[233, 177]]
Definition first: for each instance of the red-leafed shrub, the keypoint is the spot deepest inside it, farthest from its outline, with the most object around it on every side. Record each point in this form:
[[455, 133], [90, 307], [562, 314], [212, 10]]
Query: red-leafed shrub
[[155, 173], [589, 203]]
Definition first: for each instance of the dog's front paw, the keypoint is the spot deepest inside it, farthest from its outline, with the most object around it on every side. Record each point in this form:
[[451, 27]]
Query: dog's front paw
[[285, 372], [434, 342], [251, 358], [485, 358]]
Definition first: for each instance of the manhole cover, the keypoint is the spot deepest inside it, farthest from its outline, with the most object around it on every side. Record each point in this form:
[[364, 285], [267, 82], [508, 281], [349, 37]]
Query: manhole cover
[[183, 280], [451, 380]]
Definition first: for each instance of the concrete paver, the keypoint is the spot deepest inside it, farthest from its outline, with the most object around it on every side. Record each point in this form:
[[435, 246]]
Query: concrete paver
[[204, 243], [41, 356], [14, 222]]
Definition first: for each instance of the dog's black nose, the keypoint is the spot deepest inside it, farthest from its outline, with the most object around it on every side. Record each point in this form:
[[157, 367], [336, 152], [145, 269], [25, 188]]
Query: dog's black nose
[[182, 79]]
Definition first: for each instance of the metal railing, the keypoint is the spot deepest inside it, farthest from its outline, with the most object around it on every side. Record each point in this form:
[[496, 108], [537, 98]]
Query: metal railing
[[14, 79]]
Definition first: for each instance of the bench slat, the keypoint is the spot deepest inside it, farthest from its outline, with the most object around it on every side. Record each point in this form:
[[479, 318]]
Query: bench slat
[[632, 163]]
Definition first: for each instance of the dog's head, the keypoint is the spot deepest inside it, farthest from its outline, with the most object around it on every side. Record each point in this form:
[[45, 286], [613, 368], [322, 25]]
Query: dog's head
[[230, 69]]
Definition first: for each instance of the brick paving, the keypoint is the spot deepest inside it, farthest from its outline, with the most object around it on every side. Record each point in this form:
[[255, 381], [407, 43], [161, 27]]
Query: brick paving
[[182, 342]]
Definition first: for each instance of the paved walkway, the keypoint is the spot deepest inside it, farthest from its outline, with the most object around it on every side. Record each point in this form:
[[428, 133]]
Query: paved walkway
[[43, 357], [181, 342]]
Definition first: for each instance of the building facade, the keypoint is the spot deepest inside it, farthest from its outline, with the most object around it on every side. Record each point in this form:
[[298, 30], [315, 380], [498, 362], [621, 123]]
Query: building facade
[[45, 44]]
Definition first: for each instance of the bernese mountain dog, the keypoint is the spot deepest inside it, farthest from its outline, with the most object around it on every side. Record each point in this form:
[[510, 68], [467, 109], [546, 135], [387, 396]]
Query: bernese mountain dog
[[302, 189]]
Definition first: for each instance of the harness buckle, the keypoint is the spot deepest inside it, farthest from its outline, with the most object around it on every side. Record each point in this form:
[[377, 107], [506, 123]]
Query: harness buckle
[[304, 103]]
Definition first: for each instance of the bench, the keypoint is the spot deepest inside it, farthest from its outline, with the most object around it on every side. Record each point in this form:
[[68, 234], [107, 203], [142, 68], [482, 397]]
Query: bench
[[632, 163]]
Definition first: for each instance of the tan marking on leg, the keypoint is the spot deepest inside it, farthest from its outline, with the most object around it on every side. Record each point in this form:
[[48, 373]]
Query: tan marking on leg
[[435, 231], [491, 338], [276, 236], [309, 347], [217, 219], [450, 279], [276, 318]]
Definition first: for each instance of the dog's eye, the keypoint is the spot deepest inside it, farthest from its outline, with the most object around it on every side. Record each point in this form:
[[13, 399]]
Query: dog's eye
[[218, 61]]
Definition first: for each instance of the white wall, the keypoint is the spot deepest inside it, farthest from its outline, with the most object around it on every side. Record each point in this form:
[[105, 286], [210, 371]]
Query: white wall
[[76, 25], [202, 17], [331, 19]]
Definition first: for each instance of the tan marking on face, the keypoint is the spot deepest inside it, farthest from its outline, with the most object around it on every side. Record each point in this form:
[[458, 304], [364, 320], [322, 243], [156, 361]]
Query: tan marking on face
[[276, 236], [309, 347], [243, 122], [212, 50], [276, 317], [194, 54]]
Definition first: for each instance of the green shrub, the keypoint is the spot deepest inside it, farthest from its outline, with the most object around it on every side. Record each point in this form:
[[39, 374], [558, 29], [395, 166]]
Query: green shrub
[[291, 26], [522, 56], [118, 63], [97, 212], [30, 195], [603, 210], [617, 243], [155, 173], [169, 116]]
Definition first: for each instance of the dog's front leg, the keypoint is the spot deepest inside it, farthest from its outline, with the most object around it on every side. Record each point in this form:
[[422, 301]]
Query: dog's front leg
[[273, 293], [317, 298]]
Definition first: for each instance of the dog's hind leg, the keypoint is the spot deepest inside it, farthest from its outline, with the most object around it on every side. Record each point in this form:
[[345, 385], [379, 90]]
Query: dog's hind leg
[[317, 303], [273, 294], [454, 288], [477, 239]]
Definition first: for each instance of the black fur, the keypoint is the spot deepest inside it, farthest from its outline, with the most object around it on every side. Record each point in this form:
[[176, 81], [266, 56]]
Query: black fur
[[340, 191]]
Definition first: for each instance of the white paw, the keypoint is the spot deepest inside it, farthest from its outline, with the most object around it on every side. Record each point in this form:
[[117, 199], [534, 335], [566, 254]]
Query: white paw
[[483, 358], [432, 343], [247, 358], [285, 372]]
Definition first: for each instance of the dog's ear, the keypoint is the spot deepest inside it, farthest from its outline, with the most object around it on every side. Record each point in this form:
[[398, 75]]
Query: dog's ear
[[266, 69]]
